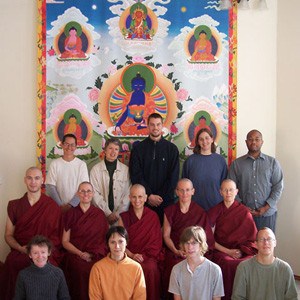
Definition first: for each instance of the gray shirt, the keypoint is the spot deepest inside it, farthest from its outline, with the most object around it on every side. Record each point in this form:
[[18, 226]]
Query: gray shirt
[[204, 284], [254, 281], [259, 181]]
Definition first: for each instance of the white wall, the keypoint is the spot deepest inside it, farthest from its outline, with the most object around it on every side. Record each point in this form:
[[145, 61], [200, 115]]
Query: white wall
[[17, 98], [288, 145], [257, 100]]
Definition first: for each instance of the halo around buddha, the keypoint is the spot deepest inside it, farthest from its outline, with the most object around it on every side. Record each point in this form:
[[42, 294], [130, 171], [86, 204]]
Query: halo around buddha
[[138, 6], [74, 112], [204, 28], [75, 25], [131, 71], [204, 114]]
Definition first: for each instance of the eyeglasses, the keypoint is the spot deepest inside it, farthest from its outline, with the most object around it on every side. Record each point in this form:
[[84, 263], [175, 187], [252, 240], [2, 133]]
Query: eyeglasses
[[69, 145], [228, 190], [265, 240], [85, 192], [193, 243], [184, 190]]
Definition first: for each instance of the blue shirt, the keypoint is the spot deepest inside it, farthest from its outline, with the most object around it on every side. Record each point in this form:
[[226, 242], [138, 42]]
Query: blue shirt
[[207, 173]]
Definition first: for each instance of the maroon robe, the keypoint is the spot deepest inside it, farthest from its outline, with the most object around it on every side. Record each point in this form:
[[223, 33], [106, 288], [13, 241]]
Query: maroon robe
[[145, 237], [88, 232], [234, 229], [196, 216], [43, 218]]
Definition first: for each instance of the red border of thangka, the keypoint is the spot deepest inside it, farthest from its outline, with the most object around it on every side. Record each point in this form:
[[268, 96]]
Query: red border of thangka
[[232, 103], [41, 84]]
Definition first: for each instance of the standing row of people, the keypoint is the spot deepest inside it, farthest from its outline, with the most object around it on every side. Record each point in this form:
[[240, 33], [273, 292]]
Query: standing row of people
[[154, 163]]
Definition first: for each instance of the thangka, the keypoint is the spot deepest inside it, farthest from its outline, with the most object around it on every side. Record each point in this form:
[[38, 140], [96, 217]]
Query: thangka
[[105, 66]]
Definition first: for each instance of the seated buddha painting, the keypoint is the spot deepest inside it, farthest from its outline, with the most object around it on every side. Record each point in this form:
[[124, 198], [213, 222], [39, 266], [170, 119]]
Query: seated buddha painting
[[138, 22], [73, 43], [72, 122], [203, 45], [129, 97], [202, 119]]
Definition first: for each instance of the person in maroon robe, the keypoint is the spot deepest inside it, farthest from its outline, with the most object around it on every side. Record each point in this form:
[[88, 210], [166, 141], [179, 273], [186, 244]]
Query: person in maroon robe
[[234, 233], [33, 214], [145, 239], [85, 227], [177, 217]]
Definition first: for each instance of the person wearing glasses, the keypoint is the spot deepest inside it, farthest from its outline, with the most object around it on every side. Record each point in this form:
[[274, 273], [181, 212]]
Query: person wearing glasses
[[259, 179], [264, 276], [196, 277], [177, 217], [234, 233], [84, 231], [110, 179], [65, 174]]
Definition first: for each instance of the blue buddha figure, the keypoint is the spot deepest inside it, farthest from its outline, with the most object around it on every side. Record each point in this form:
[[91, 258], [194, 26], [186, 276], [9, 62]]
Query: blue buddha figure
[[136, 108]]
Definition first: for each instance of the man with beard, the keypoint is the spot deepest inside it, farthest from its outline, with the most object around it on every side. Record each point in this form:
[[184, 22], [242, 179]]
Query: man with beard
[[154, 163]]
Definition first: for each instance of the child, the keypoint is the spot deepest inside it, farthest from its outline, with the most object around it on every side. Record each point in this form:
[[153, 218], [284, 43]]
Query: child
[[41, 280], [196, 277]]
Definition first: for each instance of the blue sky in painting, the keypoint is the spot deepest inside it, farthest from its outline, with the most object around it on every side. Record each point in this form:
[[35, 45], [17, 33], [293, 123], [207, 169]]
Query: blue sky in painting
[[179, 12]]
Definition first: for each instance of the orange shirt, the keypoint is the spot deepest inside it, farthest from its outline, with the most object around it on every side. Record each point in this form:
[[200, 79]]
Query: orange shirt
[[122, 280]]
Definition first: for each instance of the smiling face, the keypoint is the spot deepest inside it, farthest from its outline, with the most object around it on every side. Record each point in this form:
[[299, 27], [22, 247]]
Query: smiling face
[[111, 152], [137, 197], [69, 146], [117, 246], [254, 142], [185, 191], [39, 255], [33, 180], [85, 193], [155, 127], [205, 141]]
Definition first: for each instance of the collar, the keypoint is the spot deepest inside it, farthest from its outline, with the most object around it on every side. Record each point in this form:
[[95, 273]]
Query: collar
[[261, 155], [102, 166], [151, 141]]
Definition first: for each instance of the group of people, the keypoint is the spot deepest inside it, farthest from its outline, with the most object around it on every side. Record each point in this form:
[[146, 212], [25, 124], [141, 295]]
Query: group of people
[[143, 233]]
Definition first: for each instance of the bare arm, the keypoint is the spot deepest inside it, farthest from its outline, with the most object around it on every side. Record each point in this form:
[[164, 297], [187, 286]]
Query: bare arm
[[177, 297], [9, 237], [168, 240]]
